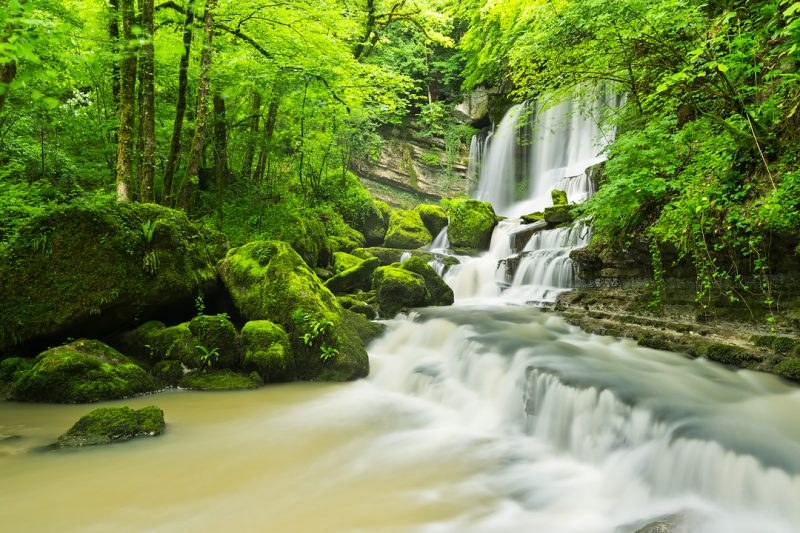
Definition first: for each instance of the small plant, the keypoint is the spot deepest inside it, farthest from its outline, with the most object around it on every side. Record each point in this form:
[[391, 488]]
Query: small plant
[[328, 352], [148, 231], [207, 357], [200, 304], [315, 329], [150, 262]]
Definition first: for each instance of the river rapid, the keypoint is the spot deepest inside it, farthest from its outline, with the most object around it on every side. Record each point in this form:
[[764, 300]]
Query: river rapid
[[487, 418]]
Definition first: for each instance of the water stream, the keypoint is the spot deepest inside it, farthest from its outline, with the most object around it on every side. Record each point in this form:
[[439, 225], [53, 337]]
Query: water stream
[[488, 416]]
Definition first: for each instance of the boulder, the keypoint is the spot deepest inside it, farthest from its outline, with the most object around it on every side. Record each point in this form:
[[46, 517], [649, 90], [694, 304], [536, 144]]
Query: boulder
[[267, 351], [376, 222], [268, 280], [558, 214], [440, 293], [433, 216], [107, 425], [354, 279], [82, 371], [344, 261], [168, 371], [471, 224], [89, 269], [398, 289], [347, 239], [306, 234], [216, 333], [406, 231], [217, 380], [559, 197], [387, 256], [359, 303]]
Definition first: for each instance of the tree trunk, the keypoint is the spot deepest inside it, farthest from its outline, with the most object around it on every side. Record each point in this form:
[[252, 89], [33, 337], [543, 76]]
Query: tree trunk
[[180, 106], [113, 33], [220, 142], [198, 141], [369, 26], [247, 165], [147, 113], [127, 99]]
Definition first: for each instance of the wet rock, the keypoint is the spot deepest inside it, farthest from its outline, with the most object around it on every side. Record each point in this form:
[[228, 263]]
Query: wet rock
[[433, 216], [406, 231], [267, 351], [108, 425], [471, 223], [355, 278], [398, 289], [440, 293], [219, 380]]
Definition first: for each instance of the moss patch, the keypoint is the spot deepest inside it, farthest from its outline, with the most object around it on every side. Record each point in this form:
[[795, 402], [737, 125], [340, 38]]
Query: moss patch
[[376, 223], [344, 261], [406, 231], [559, 197], [789, 368], [471, 223], [216, 332], [398, 289], [218, 380], [353, 279], [440, 293], [108, 425], [267, 351], [79, 372], [433, 216]]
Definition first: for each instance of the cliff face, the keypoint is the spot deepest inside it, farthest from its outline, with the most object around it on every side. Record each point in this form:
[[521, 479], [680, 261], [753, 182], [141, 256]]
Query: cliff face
[[413, 169]]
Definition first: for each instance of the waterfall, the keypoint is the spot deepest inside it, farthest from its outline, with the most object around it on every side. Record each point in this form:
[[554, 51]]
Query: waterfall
[[534, 150]]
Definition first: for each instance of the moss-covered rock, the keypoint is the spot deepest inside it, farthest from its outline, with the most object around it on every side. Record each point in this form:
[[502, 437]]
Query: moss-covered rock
[[558, 214], [82, 371], [376, 222], [533, 217], [219, 380], [344, 261], [346, 239], [267, 280], [433, 216], [406, 231], [559, 197], [13, 367], [308, 238], [366, 329], [440, 293], [216, 332], [84, 269], [107, 425], [789, 368], [388, 256], [398, 289], [143, 342], [358, 304], [471, 223], [170, 372], [267, 351], [354, 279]]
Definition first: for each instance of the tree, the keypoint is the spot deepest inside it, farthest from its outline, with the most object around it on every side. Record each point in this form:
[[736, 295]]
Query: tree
[[127, 104]]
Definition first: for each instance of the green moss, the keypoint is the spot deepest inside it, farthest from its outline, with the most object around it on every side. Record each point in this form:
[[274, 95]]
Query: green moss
[[558, 214], [170, 372], [533, 217], [471, 223], [267, 280], [95, 268], [217, 380], [375, 223], [398, 289], [142, 342], [217, 332], [433, 216], [107, 425], [344, 261], [356, 278], [782, 345], [357, 304], [559, 197], [13, 367], [789, 368], [363, 253], [440, 292], [347, 239], [267, 351], [727, 354], [406, 231], [82, 371], [308, 238]]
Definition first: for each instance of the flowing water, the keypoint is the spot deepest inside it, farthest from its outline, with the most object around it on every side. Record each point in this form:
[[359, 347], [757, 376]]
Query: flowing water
[[484, 417], [473, 419]]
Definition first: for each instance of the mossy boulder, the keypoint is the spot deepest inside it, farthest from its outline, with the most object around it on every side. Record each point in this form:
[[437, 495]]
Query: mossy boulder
[[559, 197], [344, 261], [388, 256], [406, 231], [168, 371], [219, 380], [267, 351], [357, 303], [353, 279], [82, 371], [433, 216], [398, 289], [13, 367], [306, 234], [216, 332], [107, 425], [376, 222], [440, 293], [268, 280], [789, 368], [346, 239], [88, 269], [471, 223], [533, 217], [558, 214]]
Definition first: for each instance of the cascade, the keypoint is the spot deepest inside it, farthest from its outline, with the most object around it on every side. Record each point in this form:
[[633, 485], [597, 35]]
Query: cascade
[[534, 150]]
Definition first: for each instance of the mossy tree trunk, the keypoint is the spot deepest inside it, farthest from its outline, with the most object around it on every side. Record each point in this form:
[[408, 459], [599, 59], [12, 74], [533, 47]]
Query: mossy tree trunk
[[269, 131], [147, 115], [127, 104], [198, 141], [180, 106], [222, 174]]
